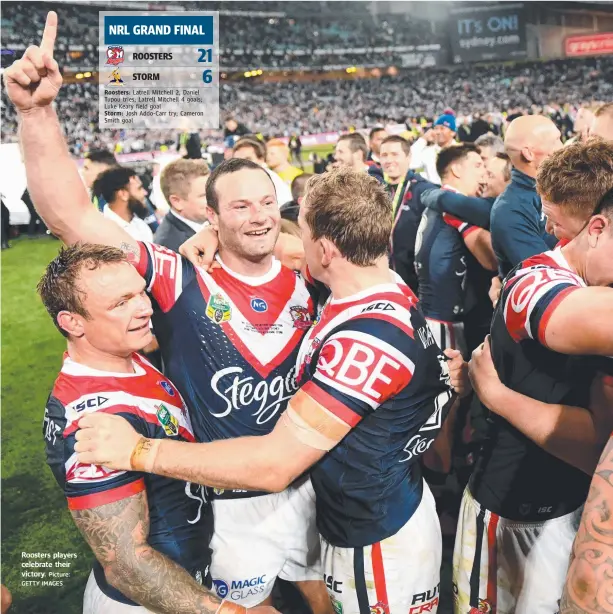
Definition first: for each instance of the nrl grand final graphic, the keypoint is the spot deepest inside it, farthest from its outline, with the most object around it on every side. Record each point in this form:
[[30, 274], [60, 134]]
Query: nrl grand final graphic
[[159, 70]]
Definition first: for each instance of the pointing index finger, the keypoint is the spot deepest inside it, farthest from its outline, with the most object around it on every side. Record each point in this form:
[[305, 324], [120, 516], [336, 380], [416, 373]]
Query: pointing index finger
[[49, 33]]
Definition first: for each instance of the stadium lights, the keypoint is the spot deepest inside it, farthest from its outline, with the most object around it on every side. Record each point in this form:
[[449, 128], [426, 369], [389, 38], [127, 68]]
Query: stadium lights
[[79, 75], [87, 74], [351, 69], [253, 73]]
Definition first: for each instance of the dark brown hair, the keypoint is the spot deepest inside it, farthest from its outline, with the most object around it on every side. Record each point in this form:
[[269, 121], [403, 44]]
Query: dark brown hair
[[356, 143], [58, 287], [452, 154], [396, 138]]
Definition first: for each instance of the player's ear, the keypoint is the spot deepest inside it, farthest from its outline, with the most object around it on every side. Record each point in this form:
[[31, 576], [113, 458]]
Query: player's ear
[[327, 250], [595, 227], [175, 202], [71, 323], [213, 217]]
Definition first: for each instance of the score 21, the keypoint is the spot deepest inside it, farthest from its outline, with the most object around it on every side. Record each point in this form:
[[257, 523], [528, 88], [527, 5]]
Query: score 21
[[206, 55]]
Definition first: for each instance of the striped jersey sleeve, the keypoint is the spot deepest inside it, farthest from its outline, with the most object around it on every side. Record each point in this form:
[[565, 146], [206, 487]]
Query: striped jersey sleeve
[[531, 297], [84, 485], [165, 272]]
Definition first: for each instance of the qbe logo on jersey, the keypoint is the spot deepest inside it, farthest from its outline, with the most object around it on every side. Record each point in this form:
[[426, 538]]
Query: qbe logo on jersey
[[240, 589]]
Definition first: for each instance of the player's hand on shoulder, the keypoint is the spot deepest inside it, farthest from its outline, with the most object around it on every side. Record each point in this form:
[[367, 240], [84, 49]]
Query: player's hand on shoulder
[[105, 439], [458, 372], [35, 80], [290, 251], [200, 249]]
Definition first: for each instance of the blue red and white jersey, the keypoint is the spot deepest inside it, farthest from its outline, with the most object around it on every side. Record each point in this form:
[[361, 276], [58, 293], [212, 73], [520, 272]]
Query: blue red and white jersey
[[533, 290], [371, 360], [441, 261], [229, 342], [514, 477], [180, 517]]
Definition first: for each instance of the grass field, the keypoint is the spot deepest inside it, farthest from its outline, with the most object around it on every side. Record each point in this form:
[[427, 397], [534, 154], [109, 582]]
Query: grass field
[[34, 514]]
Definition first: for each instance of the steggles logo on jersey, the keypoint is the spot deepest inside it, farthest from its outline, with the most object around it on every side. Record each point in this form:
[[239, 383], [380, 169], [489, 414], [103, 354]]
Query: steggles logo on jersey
[[239, 392], [167, 420], [301, 317], [218, 309]]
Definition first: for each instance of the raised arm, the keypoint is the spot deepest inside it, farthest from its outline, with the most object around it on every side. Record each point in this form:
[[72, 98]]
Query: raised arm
[[117, 533], [470, 209], [59, 195]]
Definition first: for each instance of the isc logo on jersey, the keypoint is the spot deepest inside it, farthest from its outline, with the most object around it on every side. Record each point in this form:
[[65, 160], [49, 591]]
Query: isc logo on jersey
[[240, 589], [369, 367], [91, 402]]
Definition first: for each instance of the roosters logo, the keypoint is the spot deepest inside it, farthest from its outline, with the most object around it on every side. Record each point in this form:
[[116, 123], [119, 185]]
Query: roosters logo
[[114, 55], [301, 317]]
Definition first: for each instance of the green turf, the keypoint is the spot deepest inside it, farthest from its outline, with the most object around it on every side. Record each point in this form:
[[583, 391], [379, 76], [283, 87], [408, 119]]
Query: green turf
[[34, 514]]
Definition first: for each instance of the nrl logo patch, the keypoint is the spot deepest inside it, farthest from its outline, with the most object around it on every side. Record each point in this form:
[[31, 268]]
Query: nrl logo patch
[[218, 309], [167, 420]]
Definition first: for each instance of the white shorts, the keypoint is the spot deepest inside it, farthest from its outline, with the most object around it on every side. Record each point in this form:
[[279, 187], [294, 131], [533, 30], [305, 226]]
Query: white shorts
[[261, 538], [510, 567], [448, 335], [96, 602], [400, 574]]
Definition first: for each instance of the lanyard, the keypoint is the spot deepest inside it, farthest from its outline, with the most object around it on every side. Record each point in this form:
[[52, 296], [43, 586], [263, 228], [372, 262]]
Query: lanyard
[[398, 195]]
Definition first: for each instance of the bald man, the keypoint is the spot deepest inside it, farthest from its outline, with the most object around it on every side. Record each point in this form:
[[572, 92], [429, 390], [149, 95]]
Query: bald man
[[517, 223]]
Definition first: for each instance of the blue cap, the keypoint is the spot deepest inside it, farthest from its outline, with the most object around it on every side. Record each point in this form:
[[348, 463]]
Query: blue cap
[[446, 120]]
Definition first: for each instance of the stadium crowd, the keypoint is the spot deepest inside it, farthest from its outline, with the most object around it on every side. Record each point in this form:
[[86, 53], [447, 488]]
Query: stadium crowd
[[556, 88], [249, 36], [315, 334]]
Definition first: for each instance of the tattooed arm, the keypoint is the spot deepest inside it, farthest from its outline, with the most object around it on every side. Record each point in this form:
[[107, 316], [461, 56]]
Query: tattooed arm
[[117, 533], [589, 583]]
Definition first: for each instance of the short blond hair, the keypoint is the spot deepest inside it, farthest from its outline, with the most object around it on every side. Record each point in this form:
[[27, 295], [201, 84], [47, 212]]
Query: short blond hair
[[176, 178], [351, 209]]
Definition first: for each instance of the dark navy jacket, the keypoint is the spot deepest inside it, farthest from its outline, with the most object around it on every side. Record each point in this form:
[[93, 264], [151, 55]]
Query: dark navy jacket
[[517, 223]]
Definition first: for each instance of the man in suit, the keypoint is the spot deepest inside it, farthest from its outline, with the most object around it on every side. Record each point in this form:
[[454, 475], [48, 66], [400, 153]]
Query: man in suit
[[183, 184]]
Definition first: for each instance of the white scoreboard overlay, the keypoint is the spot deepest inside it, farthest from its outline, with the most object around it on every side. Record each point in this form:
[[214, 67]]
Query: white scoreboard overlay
[[159, 70]]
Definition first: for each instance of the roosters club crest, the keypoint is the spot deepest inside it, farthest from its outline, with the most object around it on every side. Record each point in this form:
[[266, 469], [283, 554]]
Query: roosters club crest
[[114, 55]]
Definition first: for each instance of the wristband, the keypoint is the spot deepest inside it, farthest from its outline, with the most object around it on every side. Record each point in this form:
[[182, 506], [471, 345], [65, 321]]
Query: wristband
[[228, 607], [144, 453]]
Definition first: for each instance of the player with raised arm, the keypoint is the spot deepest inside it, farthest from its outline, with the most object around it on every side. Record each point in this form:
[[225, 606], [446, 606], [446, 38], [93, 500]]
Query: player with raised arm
[[229, 339], [148, 533], [374, 393]]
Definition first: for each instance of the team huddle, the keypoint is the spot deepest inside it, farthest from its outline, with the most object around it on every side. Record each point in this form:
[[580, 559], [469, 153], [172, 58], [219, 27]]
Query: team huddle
[[300, 407]]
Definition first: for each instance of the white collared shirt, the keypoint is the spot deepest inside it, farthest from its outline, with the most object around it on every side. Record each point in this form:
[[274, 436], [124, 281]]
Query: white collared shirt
[[136, 228], [195, 226]]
